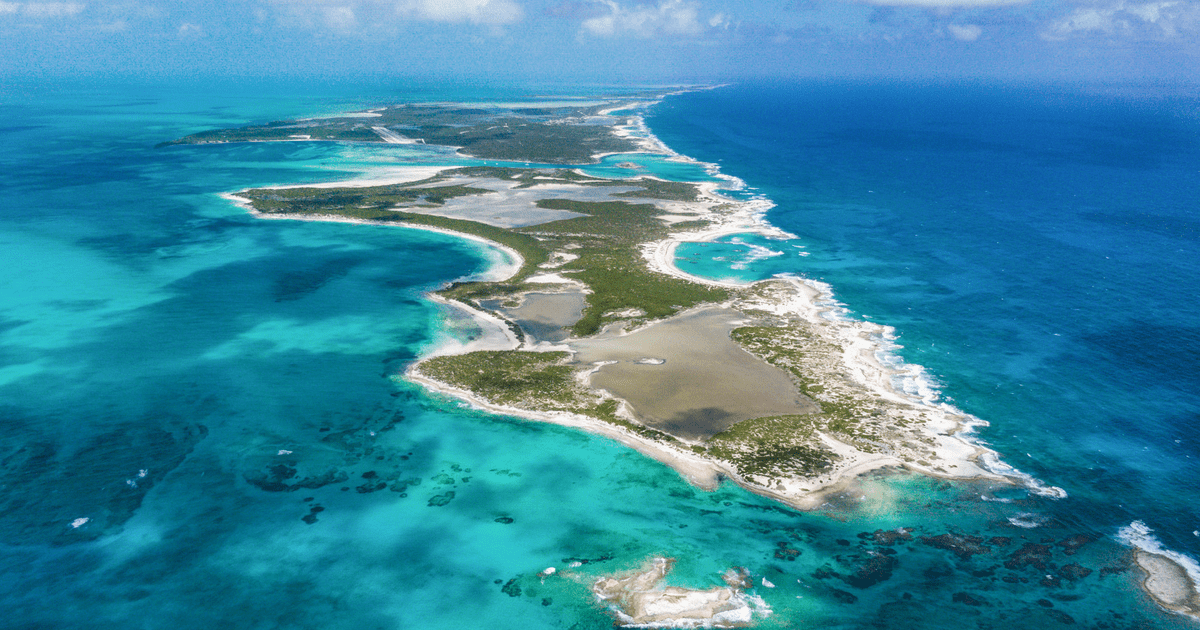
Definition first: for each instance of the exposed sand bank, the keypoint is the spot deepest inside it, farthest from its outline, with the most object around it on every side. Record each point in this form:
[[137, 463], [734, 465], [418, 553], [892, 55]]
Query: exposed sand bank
[[1168, 583], [1171, 579], [638, 599]]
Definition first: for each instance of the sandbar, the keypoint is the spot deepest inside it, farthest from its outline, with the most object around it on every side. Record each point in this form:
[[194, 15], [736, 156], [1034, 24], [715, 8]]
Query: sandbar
[[1168, 583]]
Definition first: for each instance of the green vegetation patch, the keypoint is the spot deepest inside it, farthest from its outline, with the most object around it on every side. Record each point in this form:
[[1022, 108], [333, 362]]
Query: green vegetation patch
[[647, 187], [554, 135], [539, 381], [512, 377], [283, 131], [782, 445], [796, 350], [323, 200], [608, 244], [660, 189], [776, 446]]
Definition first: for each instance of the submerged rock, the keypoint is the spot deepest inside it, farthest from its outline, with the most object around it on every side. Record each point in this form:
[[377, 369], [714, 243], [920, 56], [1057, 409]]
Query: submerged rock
[[963, 546], [1073, 571], [286, 478], [1029, 554], [888, 537], [438, 500], [1071, 544], [968, 599], [844, 597], [876, 569]]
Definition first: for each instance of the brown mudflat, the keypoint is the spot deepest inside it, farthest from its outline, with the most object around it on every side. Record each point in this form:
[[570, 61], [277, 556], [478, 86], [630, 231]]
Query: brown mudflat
[[686, 377]]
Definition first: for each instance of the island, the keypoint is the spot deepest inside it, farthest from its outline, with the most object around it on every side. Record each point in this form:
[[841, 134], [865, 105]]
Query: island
[[585, 320]]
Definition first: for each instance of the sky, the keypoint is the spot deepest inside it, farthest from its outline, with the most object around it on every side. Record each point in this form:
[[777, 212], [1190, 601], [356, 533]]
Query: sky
[[606, 40]]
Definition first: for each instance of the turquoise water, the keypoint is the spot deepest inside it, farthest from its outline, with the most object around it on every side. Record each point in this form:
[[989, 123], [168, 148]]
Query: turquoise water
[[742, 257], [660, 166], [217, 395]]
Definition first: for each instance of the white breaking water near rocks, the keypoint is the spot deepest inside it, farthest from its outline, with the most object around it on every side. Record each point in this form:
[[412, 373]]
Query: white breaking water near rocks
[[638, 601]]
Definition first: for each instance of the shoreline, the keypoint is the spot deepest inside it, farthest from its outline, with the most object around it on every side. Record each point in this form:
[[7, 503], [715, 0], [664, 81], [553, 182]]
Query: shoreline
[[1170, 579], [956, 456], [869, 350], [867, 346]]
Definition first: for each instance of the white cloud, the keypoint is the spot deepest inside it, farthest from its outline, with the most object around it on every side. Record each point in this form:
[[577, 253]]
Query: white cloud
[[965, 32], [940, 4], [339, 18], [473, 11], [668, 17], [1158, 19], [42, 10], [347, 15]]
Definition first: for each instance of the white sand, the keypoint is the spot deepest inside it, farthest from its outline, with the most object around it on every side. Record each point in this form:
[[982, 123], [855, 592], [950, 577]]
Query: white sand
[[1168, 583], [381, 177], [638, 599], [504, 263], [699, 471]]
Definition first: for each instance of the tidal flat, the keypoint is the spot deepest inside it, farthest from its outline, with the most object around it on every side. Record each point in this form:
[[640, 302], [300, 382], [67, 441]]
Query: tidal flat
[[685, 376]]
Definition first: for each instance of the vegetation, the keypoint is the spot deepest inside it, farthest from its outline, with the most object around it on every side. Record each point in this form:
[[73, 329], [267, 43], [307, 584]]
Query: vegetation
[[607, 242], [786, 445], [537, 379], [606, 239], [540, 381], [797, 351], [555, 135]]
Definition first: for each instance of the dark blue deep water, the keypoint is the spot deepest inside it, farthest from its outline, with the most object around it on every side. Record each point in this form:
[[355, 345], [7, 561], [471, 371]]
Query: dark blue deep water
[[1038, 250], [216, 395]]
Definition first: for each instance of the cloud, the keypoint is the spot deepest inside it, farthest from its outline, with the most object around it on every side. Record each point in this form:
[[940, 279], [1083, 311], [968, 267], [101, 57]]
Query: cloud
[[351, 15], [474, 11], [965, 32], [42, 10], [339, 18], [947, 4], [668, 17], [1157, 20]]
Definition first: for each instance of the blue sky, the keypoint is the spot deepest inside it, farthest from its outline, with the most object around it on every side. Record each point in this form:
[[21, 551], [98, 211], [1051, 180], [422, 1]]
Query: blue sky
[[616, 40]]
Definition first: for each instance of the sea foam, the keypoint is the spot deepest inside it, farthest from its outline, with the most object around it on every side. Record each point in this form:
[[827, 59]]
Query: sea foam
[[1139, 536]]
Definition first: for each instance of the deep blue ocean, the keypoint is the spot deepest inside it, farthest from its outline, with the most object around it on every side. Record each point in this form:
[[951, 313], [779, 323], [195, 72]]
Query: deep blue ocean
[[217, 395]]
